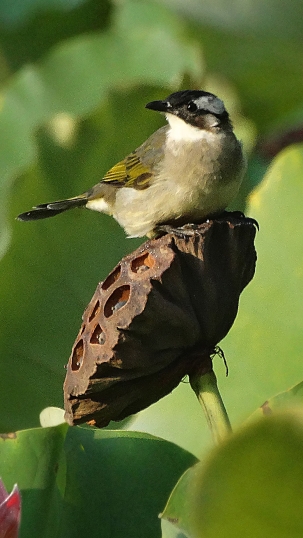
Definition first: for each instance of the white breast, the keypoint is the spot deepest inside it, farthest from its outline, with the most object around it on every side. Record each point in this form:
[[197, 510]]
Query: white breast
[[182, 131]]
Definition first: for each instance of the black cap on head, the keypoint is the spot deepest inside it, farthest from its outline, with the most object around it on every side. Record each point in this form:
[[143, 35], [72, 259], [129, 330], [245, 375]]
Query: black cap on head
[[189, 104], [204, 101]]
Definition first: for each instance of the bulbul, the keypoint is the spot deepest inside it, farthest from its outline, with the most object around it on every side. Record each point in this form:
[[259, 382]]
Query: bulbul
[[183, 173]]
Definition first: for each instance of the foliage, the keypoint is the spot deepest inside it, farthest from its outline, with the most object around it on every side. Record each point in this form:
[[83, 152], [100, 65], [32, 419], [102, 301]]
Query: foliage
[[239, 491], [85, 482], [74, 80]]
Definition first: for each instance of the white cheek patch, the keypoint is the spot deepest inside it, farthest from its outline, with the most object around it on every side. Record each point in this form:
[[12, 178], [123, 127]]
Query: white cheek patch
[[99, 204], [182, 131]]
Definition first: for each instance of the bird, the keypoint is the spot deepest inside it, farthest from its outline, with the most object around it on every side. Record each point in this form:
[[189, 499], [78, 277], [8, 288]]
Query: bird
[[185, 172]]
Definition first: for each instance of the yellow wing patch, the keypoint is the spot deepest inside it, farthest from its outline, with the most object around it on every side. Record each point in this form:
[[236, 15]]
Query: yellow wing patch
[[129, 173]]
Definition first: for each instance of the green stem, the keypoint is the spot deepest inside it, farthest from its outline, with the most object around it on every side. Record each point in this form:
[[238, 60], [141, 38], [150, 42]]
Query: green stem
[[207, 392]]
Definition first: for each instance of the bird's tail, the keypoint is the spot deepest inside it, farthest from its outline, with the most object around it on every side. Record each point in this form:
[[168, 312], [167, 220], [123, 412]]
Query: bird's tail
[[44, 211]]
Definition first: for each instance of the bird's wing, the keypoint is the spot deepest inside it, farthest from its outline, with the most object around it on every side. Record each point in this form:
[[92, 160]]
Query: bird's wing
[[130, 172], [138, 168]]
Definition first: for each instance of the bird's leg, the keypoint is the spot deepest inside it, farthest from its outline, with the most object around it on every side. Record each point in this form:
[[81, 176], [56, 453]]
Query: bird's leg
[[188, 230], [237, 215]]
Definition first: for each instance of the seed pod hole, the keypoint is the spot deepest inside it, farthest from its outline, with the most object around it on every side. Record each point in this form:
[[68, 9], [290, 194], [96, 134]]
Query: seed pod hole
[[77, 358], [94, 312], [143, 263], [117, 300], [112, 278], [98, 336]]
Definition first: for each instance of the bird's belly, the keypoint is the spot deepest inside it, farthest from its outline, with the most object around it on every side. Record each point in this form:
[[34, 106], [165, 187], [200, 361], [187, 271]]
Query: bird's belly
[[168, 200]]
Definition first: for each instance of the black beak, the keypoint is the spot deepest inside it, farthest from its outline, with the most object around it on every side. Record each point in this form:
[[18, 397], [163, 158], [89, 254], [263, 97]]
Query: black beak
[[160, 106]]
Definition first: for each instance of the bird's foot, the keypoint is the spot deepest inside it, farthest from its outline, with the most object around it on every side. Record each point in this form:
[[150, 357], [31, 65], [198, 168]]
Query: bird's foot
[[237, 215], [191, 229], [188, 230]]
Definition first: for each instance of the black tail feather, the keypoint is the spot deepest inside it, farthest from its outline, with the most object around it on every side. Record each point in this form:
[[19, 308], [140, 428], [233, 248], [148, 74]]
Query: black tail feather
[[44, 211]]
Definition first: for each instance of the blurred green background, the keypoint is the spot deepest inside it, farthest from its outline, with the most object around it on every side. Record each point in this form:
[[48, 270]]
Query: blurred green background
[[75, 77]]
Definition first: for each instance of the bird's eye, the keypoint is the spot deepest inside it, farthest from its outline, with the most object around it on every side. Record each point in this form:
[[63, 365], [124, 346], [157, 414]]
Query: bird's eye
[[192, 107]]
